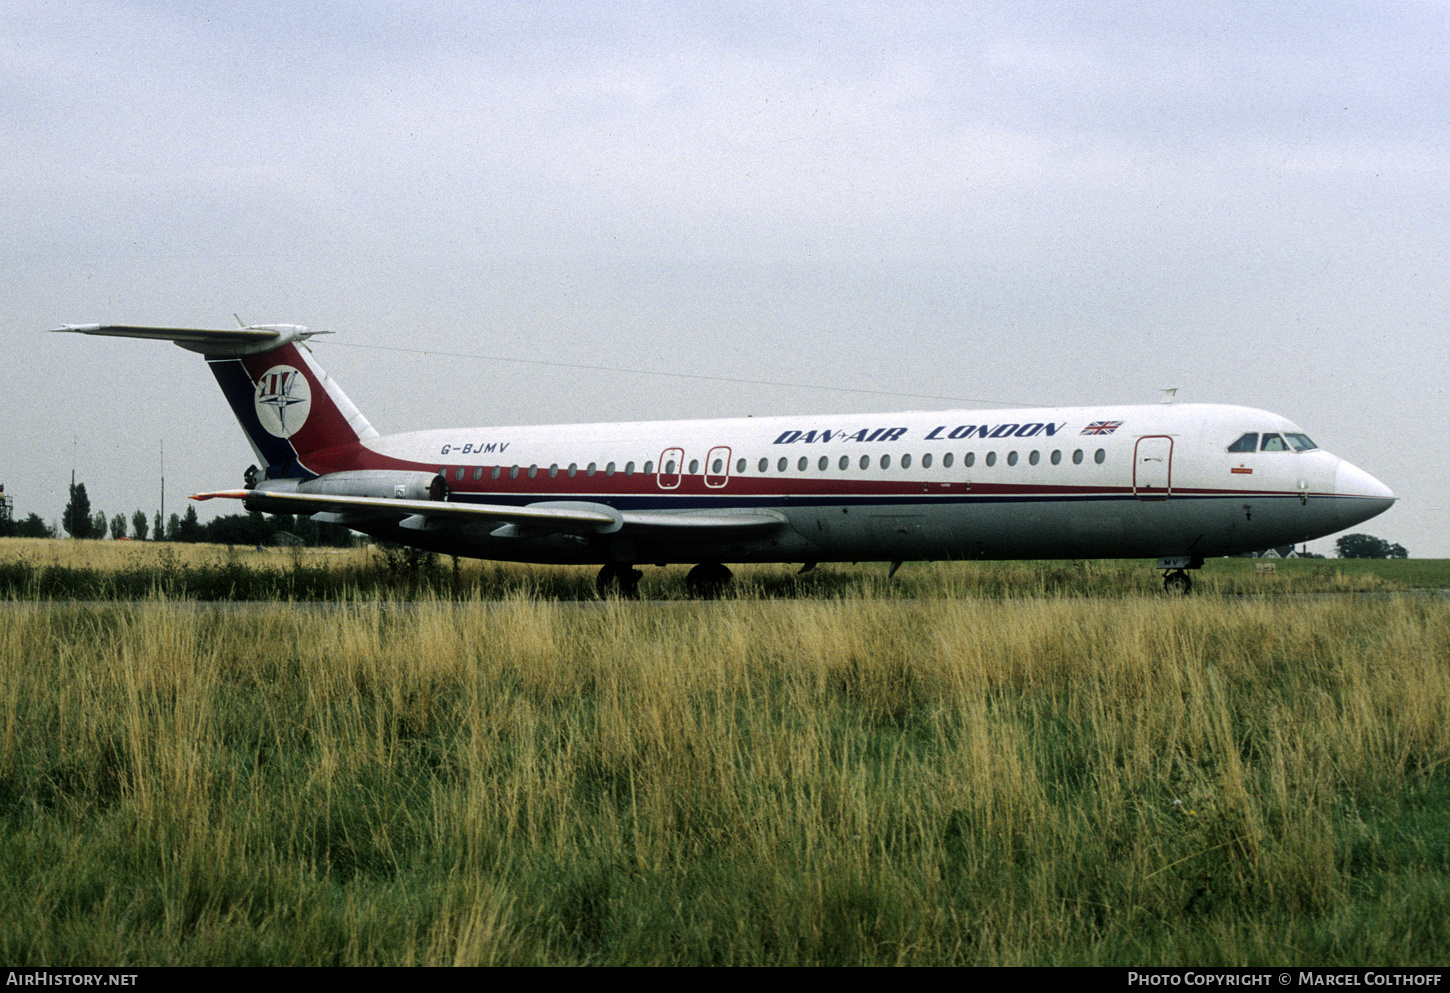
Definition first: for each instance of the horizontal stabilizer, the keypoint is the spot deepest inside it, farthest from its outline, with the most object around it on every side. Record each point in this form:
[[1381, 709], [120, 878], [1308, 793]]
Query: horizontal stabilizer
[[236, 341]]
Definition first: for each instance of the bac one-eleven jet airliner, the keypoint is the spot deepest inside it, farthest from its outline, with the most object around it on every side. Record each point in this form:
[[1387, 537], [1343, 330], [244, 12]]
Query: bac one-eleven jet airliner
[[1176, 482]]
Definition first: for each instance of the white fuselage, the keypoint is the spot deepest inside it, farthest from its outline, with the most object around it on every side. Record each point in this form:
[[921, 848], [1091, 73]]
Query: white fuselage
[[1081, 482]]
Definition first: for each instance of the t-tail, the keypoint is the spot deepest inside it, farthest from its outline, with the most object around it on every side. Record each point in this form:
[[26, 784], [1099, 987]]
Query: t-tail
[[298, 420]]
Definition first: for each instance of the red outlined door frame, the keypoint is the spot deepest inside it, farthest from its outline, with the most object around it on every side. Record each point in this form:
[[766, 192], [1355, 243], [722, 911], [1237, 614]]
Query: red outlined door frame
[[713, 479], [1153, 467], [671, 457]]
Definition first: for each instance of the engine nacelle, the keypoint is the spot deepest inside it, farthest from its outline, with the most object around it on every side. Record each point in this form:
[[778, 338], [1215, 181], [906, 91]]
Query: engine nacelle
[[388, 484]]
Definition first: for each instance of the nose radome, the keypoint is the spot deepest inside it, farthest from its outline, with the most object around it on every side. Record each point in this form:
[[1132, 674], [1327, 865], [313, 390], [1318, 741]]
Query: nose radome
[[1359, 496], [1352, 481]]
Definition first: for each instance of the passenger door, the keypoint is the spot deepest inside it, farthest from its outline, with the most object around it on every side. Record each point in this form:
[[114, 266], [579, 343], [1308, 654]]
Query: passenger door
[[1153, 468]]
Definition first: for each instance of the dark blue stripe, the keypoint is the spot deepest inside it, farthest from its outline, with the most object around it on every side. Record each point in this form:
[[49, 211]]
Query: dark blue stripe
[[240, 392]]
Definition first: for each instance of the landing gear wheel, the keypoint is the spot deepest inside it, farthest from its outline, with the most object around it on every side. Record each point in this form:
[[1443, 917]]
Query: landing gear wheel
[[618, 578], [707, 580], [1177, 583]]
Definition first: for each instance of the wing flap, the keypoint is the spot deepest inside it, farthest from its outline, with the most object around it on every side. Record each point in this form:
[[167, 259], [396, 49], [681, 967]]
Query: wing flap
[[756, 519]]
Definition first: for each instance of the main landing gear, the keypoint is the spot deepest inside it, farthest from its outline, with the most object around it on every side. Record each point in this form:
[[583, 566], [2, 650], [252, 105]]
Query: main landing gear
[[704, 582], [707, 580], [620, 578]]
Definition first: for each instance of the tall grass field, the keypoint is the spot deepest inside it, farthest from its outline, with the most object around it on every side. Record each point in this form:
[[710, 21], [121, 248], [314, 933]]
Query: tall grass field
[[843, 775]]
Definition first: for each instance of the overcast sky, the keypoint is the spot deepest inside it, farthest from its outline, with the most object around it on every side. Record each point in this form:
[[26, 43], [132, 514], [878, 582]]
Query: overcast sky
[[1029, 203]]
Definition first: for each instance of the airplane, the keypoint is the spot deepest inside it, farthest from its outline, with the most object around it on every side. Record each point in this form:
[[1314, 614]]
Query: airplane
[[1179, 482]]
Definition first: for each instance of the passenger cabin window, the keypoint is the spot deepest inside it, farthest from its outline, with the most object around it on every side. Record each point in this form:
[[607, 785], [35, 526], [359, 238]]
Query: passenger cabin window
[[764, 465], [1099, 456], [1273, 443], [1246, 443]]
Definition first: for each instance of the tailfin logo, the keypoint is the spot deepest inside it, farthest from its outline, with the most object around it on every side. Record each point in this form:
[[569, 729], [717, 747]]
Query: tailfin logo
[[283, 399]]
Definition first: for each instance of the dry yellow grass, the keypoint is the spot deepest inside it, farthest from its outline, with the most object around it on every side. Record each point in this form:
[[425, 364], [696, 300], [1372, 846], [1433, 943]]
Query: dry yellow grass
[[1029, 780]]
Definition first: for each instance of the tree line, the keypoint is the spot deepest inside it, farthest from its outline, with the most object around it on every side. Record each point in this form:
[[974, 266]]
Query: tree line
[[252, 528]]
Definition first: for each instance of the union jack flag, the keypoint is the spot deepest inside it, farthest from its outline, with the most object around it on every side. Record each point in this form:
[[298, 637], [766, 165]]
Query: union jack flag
[[1102, 427]]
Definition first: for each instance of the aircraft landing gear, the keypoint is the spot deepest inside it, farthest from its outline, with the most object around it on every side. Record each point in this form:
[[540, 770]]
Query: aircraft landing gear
[[707, 580], [618, 577], [1177, 583]]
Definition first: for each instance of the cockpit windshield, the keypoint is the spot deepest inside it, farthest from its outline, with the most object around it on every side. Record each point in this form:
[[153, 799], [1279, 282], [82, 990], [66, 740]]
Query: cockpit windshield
[[1272, 441]]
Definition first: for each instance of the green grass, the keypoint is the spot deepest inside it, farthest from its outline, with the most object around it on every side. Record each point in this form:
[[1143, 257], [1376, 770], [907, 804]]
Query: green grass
[[93, 570], [1021, 780]]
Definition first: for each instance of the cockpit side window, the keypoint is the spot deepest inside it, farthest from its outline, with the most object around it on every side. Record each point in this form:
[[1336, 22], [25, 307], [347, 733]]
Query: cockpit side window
[[1301, 442], [1247, 443], [1273, 443]]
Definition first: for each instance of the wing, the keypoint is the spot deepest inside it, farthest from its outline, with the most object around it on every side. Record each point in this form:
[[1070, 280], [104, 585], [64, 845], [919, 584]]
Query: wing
[[531, 520]]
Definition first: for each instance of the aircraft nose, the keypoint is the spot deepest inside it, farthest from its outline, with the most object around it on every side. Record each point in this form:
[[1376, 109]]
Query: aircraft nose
[[1366, 496]]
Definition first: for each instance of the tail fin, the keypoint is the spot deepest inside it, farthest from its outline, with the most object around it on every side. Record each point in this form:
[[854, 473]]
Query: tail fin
[[297, 419]]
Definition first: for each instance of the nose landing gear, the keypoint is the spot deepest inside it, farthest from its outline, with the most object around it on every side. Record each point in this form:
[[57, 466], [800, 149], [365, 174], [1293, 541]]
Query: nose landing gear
[[1175, 575], [1177, 583]]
